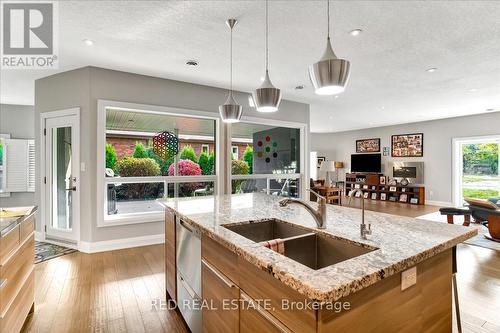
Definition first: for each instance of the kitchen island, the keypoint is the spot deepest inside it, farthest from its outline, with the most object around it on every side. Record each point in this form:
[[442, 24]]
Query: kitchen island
[[17, 254], [399, 279]]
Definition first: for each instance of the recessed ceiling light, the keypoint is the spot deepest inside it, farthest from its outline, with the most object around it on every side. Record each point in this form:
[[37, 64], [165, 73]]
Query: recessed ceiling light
[[299, 87], [336, 96], [331, 117], [192, 63], [355, 32], [472, 90], [431, 70], [88, 42], [490, 110]]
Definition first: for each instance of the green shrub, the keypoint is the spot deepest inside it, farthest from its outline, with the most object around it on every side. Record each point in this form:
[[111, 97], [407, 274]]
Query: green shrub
[[238, 167], [164, 164], [188, 153], [211, 161], [204, 162], [137, 167], [139, 151], [110, 156], [248, 157]]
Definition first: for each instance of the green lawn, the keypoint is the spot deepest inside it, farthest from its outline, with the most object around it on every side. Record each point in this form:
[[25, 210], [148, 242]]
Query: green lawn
[[480, 194], [479, 178]]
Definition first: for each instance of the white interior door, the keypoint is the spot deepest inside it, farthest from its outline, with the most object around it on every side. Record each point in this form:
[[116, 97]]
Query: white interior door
[[62, 176]]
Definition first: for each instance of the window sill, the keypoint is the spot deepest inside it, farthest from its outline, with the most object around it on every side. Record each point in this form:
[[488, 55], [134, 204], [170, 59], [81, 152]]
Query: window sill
[[131, 218]]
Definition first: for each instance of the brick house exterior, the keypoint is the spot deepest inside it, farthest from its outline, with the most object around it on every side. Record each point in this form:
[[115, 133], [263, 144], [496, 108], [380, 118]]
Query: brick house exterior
[[125, 145]]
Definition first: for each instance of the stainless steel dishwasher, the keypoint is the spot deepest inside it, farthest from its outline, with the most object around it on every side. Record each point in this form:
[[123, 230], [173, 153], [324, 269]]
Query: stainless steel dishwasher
[[188, 248]]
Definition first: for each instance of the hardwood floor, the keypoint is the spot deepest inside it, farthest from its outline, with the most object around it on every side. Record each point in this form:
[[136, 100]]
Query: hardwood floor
[[113, 291], [103, 292]]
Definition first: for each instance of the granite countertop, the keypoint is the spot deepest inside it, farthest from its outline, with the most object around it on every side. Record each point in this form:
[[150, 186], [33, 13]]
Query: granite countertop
[[9, 223], [401, 242]]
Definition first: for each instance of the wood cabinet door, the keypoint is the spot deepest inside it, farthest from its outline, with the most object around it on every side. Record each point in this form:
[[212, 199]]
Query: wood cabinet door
[[221, 301], [254, 318]]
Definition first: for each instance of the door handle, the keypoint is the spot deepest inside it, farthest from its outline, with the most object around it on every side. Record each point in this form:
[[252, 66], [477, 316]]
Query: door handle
[[73, 188]]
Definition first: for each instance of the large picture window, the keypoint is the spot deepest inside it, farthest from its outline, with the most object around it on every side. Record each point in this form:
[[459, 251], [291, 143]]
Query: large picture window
[[136, 176], [270, 162]]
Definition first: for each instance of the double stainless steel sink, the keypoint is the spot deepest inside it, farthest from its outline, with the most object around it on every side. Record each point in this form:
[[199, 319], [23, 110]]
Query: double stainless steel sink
[[304, 245]]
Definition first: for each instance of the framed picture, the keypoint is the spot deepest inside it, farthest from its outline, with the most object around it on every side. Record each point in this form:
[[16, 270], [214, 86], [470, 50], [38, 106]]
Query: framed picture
[[374, 195], [320, 159], [403, 189], [407, 145], [392, 189], [368, 145], [403, 198], [357, 186], [383, 196], [365, 195], [365, 187], [392, 199], [386, 151], [414, 200], [382, 180], [357, 195], [393, 182]]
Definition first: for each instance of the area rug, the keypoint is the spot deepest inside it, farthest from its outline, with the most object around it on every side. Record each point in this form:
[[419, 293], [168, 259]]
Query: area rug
[[478, 240], [45, 251]]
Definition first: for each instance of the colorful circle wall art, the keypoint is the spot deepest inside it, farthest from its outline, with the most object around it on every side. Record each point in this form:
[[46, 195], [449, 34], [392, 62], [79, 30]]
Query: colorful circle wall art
[[266, 149], [165, 145]]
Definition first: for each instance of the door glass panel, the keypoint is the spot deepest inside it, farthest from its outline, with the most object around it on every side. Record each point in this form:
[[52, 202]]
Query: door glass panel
[[480, 178], [61, 179]]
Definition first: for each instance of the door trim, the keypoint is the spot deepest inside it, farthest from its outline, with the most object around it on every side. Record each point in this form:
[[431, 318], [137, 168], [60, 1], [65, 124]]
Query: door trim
[[457, 162], [44, 116]]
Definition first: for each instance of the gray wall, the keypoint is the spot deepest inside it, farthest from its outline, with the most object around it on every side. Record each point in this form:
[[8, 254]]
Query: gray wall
[[438, 135], [19, 122], [84, 87]]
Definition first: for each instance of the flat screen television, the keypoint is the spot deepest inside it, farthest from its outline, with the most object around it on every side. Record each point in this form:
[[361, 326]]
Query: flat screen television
[[370, 163]]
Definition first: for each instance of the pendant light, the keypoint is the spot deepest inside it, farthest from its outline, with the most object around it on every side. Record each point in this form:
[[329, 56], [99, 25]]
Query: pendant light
[[330, 74], [230, 111], [267, 98]]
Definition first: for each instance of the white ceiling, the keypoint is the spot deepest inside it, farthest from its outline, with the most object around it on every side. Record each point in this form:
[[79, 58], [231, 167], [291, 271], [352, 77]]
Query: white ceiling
[[388, 85]]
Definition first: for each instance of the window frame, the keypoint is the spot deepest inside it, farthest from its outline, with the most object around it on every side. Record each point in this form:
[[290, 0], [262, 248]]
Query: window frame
[[303, 161], [204, 145], [105, 220]]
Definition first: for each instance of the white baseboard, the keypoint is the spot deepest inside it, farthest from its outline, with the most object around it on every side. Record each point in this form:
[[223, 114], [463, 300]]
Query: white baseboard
[[438, 203], [117, 244]]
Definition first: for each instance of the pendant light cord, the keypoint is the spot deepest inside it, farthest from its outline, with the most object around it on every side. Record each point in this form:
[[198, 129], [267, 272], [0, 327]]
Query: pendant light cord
[[231, 61], [328, 17], [267, 36]]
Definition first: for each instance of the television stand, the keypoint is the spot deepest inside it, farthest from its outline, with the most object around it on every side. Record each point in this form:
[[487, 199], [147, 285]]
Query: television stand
[[369, 183]]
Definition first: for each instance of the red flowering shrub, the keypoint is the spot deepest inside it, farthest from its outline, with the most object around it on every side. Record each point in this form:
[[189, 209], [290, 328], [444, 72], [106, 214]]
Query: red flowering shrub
[[186, 168]]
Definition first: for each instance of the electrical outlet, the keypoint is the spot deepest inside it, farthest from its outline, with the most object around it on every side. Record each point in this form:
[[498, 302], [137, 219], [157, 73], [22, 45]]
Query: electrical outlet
[[408, 278]]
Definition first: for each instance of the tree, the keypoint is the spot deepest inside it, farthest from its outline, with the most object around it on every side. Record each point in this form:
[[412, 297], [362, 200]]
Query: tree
[[238, 167], [138, 167], [110, 156], [188, 153], [204, 162], [139, 151], [248, 157]]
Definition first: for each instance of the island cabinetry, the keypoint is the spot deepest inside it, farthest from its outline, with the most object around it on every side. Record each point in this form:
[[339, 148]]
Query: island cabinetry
[[220, 290], [424, 307], [170, 263], [255, 318], [17, 254]]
